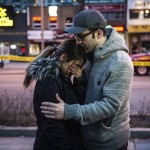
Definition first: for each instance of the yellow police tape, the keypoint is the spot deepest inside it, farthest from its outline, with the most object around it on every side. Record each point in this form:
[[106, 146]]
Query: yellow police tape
[[25, 58], [17, 58], [141, 63]]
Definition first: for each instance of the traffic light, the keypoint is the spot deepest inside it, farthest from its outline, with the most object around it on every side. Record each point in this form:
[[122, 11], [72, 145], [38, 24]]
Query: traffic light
[[22, 51]]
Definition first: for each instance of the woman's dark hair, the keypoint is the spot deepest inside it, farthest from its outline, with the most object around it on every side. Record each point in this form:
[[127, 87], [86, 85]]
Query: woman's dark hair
[[69, 47]]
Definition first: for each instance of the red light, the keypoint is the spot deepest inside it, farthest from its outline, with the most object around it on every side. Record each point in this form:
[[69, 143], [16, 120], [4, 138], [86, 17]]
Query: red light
[[23, 49]]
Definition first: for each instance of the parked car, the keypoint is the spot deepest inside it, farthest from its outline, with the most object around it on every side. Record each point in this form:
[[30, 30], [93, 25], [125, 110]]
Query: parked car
[[1, 63], [141, 63]]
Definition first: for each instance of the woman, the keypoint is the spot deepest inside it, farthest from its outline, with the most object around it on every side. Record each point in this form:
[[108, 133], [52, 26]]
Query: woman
[[53, 71]]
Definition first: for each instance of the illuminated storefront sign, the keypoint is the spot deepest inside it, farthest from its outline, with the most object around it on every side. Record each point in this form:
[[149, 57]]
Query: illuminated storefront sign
[[119, 28], [6, 17], [36, 35], [138, 28], [139, 4], [108, 7]]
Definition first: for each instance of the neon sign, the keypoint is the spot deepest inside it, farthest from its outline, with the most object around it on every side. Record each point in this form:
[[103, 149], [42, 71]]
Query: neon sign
[[6, 17]]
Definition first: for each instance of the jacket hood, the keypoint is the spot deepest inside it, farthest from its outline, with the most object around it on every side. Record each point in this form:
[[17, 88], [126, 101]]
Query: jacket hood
[[43, 67], [114, 42]]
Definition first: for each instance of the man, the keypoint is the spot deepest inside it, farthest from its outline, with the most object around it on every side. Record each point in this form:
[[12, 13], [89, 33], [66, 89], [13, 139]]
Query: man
[[105, 114]]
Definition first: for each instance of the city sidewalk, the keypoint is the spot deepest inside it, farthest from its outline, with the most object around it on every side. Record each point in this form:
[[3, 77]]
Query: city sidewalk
[[26, 143], [14, 68], [22, 138], [15, 65]]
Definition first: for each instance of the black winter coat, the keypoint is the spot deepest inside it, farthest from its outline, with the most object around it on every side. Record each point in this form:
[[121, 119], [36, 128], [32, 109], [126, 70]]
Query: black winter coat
[[57, 134]]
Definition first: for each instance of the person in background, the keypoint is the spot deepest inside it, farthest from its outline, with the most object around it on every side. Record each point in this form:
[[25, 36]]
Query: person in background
[[105, 113], [53, 70]]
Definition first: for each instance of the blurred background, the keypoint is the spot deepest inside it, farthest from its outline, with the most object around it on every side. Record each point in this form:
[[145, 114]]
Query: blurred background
[[28, 26]]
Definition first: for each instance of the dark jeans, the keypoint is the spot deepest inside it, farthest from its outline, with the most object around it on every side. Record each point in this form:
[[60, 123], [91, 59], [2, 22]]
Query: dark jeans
[[125, 147]]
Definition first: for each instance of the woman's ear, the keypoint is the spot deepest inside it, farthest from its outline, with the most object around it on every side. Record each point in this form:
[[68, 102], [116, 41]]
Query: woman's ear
[[63, 57]]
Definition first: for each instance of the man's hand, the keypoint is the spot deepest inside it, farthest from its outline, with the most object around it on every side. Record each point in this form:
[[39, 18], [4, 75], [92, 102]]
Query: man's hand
[[53, 110]]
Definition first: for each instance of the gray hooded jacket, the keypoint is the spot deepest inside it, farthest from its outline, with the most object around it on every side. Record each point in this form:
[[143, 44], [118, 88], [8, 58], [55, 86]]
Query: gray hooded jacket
[[105, 115]]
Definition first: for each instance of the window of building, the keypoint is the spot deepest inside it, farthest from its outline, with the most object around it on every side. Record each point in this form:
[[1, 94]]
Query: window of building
[[105, 1], [29, 2], [50, 1], [36, 22], [147, 13], [139, 13], [53, 22], [134, 14], [34, 49], [16, 1], [68, 22], [62, 1], [114, 15]]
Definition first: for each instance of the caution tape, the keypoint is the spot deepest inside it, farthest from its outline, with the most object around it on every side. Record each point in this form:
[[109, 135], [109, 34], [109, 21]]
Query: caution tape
[[17, 58], [142, 63], [25, 58]]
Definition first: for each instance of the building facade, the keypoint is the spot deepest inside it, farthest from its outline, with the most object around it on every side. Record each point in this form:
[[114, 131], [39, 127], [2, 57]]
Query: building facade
[[114, 12], [13, 35], [138, 26], [45, 25], [53, 26], [56, 19]]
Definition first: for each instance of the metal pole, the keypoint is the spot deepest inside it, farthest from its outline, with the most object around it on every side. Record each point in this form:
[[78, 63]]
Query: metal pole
[[42, 25]]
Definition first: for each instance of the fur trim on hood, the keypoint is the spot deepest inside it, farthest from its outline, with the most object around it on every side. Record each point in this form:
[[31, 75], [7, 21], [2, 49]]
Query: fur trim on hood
[[43, 67]]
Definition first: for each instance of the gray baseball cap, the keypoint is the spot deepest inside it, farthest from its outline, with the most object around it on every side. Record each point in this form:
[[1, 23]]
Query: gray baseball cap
[[87, 19]]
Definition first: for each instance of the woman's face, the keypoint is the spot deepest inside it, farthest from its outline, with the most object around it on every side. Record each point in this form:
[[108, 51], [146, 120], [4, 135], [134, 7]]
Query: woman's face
[[65, 66]]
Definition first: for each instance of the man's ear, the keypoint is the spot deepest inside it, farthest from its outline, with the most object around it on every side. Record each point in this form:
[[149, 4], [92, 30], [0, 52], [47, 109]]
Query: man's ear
[[63, 57], [99, 33]]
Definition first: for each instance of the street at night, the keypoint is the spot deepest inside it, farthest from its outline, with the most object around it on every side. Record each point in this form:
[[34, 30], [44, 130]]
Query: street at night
[[12, 81]]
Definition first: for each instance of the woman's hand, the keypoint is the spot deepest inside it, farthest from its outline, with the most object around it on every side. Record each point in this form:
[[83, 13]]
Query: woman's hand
[[77, 72]]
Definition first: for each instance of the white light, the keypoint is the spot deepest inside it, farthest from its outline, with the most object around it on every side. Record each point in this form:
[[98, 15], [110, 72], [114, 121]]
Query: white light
[[141, 12], [13, 46], [147, 11], [1, 44], [24, 11], [52, 10], [17, 12]]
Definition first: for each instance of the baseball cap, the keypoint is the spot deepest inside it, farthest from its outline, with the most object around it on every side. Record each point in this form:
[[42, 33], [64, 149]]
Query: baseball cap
[[87, 19]]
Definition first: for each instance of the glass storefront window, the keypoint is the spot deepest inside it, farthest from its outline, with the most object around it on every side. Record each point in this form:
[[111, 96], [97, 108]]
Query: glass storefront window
[[34, 49], [4, 49], [68, 22], [139, 13], [114, 15], [104, 1], [36, 22], [62, 1]]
